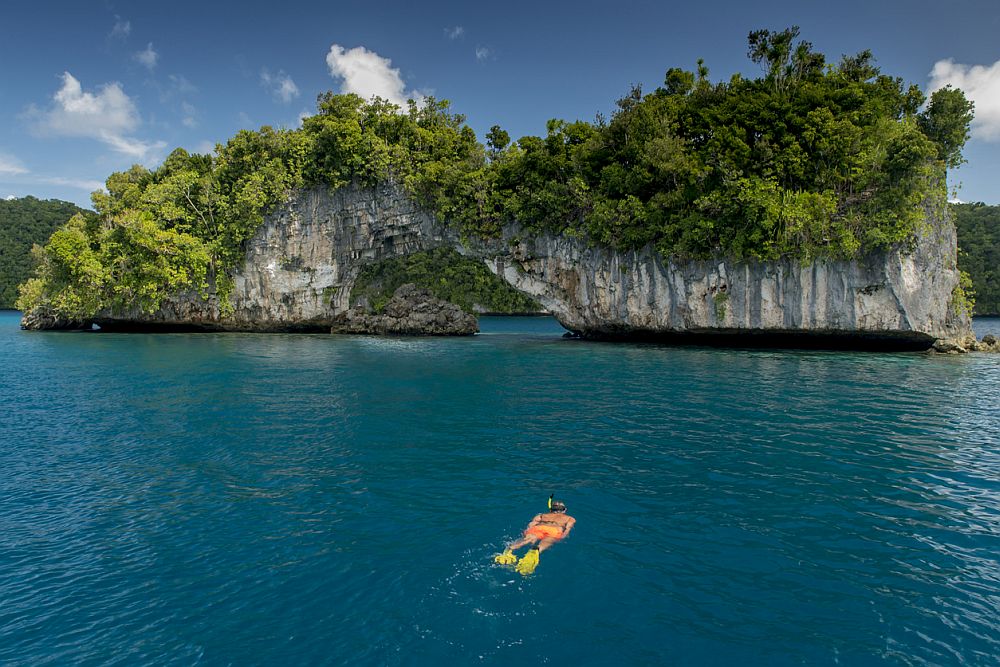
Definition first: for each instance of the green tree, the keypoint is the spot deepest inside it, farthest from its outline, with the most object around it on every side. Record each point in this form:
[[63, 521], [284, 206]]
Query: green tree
[[946, 123], [497, 140]]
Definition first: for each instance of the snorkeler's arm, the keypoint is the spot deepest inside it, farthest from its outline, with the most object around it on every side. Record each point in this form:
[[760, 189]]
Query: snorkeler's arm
[[569, 526]]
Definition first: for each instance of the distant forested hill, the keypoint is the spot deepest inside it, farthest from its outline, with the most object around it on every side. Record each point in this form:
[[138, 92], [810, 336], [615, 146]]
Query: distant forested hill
[[979, 252], [24, 222]]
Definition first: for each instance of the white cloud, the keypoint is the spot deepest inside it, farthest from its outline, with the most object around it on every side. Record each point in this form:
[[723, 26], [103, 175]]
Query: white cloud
[[122, 28], [454, 32], [39, 179], [147, 57], [981, 84], [204, 147], [11, 166], [108, 115], [182, 85], [10, 197], [280, 84], [482, 53], [81, 183], [189, 120], [367, 74]]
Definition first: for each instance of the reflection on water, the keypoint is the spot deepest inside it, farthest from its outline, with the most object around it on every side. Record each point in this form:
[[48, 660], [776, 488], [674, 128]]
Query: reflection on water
[[299, 499]]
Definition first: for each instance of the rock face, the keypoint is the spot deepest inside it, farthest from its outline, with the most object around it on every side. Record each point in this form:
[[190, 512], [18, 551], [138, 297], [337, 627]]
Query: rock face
[[302, 263], [412, 311], [901, 298]]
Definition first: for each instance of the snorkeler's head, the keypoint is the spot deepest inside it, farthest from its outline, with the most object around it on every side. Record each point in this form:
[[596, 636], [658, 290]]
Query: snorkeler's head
[[557, 506]]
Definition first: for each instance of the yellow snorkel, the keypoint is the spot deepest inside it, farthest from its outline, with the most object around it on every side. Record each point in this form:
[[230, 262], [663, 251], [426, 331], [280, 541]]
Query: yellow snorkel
[[550, 501]]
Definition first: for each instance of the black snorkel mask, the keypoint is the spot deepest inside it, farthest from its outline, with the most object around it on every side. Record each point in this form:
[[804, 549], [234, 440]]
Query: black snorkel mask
[[556, 505]]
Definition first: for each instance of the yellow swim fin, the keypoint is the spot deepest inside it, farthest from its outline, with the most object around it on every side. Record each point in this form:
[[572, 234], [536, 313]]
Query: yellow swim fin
[[506, 558], [528, 564]]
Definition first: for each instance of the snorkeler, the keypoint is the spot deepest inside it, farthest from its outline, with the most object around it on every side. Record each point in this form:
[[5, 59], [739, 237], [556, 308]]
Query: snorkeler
[[543, 531]]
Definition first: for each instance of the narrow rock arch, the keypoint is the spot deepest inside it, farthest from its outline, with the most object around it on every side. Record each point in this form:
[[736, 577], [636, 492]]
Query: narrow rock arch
[[302, 263]]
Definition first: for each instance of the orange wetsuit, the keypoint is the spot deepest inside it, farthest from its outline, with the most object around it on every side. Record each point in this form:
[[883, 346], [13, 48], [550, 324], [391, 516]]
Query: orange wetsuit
[[544, 532]]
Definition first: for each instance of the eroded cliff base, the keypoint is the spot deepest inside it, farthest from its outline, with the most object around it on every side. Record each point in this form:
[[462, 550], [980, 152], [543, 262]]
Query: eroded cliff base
[[777, 339]]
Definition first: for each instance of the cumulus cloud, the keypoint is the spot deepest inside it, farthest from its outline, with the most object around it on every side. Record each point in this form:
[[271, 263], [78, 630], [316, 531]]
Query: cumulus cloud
[[11, 166], [121, 29], [147, 57], [280, 85], [10, 197], [482, 53], [981, 84], [366, 73], [108, 115], [454, 32]]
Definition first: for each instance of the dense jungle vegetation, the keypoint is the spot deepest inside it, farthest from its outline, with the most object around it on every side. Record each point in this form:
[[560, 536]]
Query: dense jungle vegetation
[[979, 252], [23, 223], [811, 159]]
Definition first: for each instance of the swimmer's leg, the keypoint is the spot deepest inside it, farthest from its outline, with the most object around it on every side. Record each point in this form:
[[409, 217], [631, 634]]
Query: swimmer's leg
[[527, 539], [545, 544], [508, 557]]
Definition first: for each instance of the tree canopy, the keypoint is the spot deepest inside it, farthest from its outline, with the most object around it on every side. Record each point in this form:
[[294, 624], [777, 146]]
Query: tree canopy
[[811, 159]]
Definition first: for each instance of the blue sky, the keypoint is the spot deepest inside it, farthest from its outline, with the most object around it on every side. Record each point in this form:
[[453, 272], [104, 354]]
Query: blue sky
[[91, 87]]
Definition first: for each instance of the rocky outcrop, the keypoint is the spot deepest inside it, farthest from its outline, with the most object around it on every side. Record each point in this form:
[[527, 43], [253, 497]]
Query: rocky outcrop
[[45, 319], [989, 343], [302, 263], [412, 311]]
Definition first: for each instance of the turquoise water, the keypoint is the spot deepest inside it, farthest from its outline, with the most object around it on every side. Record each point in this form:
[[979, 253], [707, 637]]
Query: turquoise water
[[243, 499]]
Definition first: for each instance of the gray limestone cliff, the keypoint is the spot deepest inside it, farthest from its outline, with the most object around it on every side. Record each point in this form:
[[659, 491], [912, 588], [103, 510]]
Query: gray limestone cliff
[[302, 263], [899, 298]]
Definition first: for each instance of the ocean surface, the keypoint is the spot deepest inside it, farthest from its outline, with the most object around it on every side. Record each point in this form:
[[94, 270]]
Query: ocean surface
[[310, 499]]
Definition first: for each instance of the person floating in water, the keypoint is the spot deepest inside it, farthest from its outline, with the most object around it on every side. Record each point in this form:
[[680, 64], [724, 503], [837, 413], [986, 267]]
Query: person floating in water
[[543, 531]]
